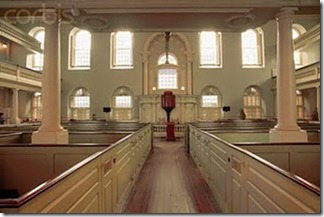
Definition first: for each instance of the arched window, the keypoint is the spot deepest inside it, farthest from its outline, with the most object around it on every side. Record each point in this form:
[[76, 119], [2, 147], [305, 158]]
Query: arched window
[[122, 50], [171, 58], [297, 30], [210, 104], [167, 78], [300, 104], [252, 102], [37, 106], [35, 61], [252, 48], [210, 49], [167, 72], [80, 47], [122, 104], [80, 104]]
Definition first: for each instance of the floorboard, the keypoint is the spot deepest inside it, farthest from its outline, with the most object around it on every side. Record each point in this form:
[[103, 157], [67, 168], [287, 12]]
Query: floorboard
[[170, 182]]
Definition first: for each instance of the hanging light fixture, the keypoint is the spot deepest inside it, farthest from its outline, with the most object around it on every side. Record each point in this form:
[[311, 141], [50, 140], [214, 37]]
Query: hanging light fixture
[[167, 36]]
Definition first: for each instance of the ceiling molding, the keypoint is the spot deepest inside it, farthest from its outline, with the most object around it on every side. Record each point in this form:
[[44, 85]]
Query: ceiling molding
[[14, 34]]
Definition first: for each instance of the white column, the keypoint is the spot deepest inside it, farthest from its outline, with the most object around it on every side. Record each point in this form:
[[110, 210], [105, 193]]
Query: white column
[[51, 131], [318, 101], [286, 129], [15, 107], [189, 73], [145, 73]]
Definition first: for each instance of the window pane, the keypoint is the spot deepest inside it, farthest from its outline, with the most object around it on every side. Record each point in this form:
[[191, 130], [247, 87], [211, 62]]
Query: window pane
[[252, 103], [123, 49], [209, 48], [123, 101], [37, 106], [209, 101], [82, 46], [295, 33], [37, 60], [250, 52], [81, 102], [167, 79]]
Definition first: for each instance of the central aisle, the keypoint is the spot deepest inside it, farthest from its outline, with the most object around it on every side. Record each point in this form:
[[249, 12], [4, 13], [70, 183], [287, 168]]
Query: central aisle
[[170, 182]]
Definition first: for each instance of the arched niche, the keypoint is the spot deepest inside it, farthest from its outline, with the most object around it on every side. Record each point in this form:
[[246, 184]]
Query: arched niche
[[154, 48]]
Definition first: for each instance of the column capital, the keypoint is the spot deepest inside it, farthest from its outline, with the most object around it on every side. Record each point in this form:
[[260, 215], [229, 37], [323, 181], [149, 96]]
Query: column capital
[[145, 55], [51, 16], [286, 12]]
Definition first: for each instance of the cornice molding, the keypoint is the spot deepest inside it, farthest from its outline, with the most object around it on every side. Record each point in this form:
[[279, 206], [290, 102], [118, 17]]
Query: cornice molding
[[308, 38], [14, 34]]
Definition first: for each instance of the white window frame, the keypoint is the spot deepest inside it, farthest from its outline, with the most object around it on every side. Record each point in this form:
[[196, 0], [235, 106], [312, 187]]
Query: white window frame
[[252, 110], [260, 49], [298, 57], [300, 104], [113, 52], [123, 101], [37, 106], [31, 58], [217, 50], [209, 101], [72, 52], [77, 110], [175, 74]]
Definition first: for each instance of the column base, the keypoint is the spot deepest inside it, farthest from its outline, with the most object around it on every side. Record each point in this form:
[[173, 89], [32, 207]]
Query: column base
[[283, 135], [15, 121], [44, 137]]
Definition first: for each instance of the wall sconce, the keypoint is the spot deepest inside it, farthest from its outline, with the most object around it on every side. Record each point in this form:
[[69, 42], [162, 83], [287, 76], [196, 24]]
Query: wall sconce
[[154, 89], [182, 88], [3, 45]]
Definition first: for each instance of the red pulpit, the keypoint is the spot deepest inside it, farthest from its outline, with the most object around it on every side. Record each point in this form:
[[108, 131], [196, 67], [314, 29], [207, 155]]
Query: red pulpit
[[170, 131], [168, 104]]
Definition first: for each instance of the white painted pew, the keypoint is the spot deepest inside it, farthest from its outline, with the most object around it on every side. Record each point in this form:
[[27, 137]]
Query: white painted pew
[[243, 182]]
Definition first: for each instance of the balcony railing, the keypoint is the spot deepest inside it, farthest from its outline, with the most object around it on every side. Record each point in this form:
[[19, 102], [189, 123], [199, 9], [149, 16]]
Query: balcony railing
[[13, 73]]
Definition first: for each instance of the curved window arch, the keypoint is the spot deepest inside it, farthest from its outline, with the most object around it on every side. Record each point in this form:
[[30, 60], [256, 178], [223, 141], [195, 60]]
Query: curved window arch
[[122, 103], [80, 49], [252, 102], [167, 73], [35, 61], [210, 103], [252, 48], [210, 49], [171, 58], [80, 104], [297, 30]]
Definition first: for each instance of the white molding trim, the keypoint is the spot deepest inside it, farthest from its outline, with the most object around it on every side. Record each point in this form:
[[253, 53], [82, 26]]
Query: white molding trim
[[16, 35]]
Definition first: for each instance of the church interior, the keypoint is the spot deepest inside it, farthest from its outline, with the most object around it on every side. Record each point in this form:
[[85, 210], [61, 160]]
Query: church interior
[[192, 106]]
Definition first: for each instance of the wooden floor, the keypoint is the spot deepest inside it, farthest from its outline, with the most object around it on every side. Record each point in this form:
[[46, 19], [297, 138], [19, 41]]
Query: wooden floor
[[170, 182]]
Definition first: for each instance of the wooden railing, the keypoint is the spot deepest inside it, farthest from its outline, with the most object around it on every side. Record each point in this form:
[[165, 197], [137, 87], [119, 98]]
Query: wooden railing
[[159, 130], [243, 182], [99, 184]]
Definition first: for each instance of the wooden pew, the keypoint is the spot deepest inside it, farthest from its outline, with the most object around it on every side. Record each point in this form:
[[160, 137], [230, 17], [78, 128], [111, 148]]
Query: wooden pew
[[243, 182], [100, 183]]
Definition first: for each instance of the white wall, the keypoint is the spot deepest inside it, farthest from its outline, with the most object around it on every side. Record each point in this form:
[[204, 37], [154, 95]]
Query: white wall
[[231, 80]]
